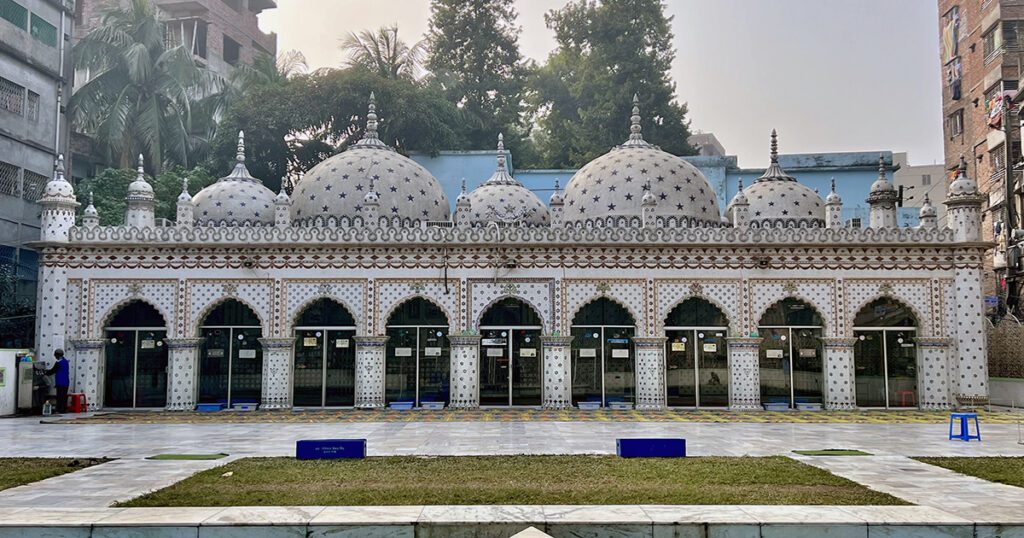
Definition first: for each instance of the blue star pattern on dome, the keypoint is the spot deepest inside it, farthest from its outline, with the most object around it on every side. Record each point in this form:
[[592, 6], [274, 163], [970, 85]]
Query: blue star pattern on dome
[[503, 199], [237, 199], [777, 199], [332, 192]]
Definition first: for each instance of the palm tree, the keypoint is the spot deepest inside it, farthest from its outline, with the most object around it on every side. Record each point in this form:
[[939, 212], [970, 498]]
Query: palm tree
[[139, 94], [383, 53]]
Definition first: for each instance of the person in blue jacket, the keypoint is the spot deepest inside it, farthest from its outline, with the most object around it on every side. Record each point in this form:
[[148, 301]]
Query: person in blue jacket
[[61, 379]]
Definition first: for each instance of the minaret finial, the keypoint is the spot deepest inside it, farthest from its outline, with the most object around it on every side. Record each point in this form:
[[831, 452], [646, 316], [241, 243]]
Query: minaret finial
[[501, 151], [881, 166], [962, 167], [775, 147], [463, 185], [740, 184], [58, 168], [833, 184], [635, 129], [90, 197], [558, 187], [240, 154], [371, 117], [142, 168], [184, 185]]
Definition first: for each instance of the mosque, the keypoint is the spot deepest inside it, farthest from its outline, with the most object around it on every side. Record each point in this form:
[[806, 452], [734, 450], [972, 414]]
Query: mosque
[[363, 289]]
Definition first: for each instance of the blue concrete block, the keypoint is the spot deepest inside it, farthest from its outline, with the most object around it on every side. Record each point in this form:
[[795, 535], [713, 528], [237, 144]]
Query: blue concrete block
[[651, 448], [330, 449]]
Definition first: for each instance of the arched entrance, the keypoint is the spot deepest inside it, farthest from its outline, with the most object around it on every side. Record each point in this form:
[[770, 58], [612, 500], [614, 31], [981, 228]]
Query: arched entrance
[[231, 357], [135, 356], [791, 354], [418, 354], [325, 356], [885, 355], [602, 354], [510, 356], [696, 356]]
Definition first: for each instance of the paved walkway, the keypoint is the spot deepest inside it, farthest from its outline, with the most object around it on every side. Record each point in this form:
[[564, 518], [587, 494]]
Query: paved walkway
[[927, 485]]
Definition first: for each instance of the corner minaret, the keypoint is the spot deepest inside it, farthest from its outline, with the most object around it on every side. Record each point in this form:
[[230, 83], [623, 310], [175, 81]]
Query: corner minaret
[[833, 209], [964, 206], [90, 217], [140, 203], [557, 207], [882, 199], [371, 208], [282, 209], [648, 205], [59, 205], [463, 208], [740, 208], [928, 215], [185, 217]]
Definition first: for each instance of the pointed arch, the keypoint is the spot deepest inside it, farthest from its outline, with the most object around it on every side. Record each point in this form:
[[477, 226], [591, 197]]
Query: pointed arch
[[483, 311], [810, 304], [412, 297], [118, 306], [613, 299], [197, 324], [301, 309], [663, 316], [920, 322]]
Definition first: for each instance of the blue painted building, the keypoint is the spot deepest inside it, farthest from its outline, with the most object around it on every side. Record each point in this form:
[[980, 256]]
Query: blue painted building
[[854, 173]]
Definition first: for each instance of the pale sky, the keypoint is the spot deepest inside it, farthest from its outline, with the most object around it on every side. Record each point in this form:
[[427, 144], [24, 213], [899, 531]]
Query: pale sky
[[830, 75]]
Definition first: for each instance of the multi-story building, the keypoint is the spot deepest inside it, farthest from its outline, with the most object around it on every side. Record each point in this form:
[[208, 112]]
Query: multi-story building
[[221, 33], [982, 50], [920, 182], [706, 144], [34, 69]]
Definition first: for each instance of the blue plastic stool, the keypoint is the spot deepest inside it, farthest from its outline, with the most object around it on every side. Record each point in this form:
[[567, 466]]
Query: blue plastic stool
[[965, 420]]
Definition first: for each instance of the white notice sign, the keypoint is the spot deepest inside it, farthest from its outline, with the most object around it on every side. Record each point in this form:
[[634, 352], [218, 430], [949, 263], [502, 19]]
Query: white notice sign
[[710, 348], [620, 353], [528, 352], [774, 353], [495, 352], [403, 352], [588, 353], [246, 353], [432, 351]]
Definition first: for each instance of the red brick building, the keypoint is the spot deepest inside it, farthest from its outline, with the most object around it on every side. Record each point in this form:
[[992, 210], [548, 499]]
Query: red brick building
[[221, 33], [982, 53]]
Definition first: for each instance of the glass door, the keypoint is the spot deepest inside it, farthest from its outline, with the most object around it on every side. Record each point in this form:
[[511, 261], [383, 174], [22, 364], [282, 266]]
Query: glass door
[[775, 367], [307, 382], [885, 363], [400, 380], [495, 366], [586, 365], [246, 366], [619, 365], [434, 365], [901, 368], [869, 368], [324, 368], [119, 378], [527, 374], [680, 364], [215, 365], [151, 369], [340, 368], [712, 368]]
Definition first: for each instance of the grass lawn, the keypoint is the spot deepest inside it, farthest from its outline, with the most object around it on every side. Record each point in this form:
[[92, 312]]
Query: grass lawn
[[1004, 470], [513, 480], [20, 471]]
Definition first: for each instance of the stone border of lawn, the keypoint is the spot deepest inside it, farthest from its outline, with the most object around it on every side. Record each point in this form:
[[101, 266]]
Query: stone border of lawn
[[420, 521]]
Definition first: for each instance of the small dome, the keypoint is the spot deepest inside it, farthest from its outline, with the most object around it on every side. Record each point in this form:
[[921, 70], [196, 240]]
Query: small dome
[[556, 197], [333, 192], [140, 189], [741, 197], [184, 196], [614, 184], [833, 196], [927, 210], [90, 210], [962, 185], [237, 199], [463, 199], [777, 199], [282, 197], [503, 199], [58, 188], [882, 184]]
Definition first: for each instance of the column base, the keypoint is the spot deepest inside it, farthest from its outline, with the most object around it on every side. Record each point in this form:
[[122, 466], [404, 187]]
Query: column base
[[180, 407], [370, 406], [840, 407], [463, 406], [746, 407], [649, 407], [556, 405]]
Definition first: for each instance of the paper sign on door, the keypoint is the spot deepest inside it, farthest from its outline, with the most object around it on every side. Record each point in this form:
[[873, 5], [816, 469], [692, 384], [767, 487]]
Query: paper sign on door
[[246, 353], [495, 352], [620, 353], [588, 353], [403, 352], [710, 348], [678, 346], [341, 343], [774, 354], [309, 341], [432, 351], [528, 352]]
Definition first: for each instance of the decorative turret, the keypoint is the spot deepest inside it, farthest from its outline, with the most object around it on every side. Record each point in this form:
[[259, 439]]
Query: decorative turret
[[282, 209], [964, 206], [648, 205], [882, 199], [557, 207], [90, 217], [59, 205], [833, 208], [140, 203], [740, 208], [186, 209], [928, 215], [463, 207], [371, 206]]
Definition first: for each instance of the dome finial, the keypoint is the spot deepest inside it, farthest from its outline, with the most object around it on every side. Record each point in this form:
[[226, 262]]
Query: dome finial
[[501, 151], [833, 184], [240, 154], [881, 166], [635, 129], [58, 168], [90, 198], [141, 169], [184, 186], [371, 117], [463, 185], [740, 183], [775, 147]]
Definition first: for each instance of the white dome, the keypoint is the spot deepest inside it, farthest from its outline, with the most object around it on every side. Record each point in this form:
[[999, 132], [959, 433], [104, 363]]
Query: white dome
[[90, 210], [503, 199], [333, 192], [237, 199], [184, 196], [833, 196], [59, 188], [882, 184], [962, 185], [927, 209], [140, 189], [614, 185], [779, 200]]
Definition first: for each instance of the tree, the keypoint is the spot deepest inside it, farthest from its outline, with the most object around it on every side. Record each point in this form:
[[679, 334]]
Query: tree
[[139, 94], [109, 188], [607, 51], [474, 57], [383, 53]]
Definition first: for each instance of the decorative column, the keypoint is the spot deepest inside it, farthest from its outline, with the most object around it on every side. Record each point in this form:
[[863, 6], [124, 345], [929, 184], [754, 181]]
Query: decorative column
[[744, 374], [370, 371], [650, 372], [465, 371], [182, 372], [935, 375], [557, 376], [88, 358], [277, 373], [971, 387], [840, 389]]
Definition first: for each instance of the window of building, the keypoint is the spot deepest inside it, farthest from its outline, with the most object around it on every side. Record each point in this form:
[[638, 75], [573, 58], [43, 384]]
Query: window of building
[[12, 97], [14, 13], [32, 106], [1012, 32], [992, 43], [855, 222], [926, 179], [234, 4], [232, 51], [9, 179], [43, 31], [33, 185], [997, 162], [955, 123]]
